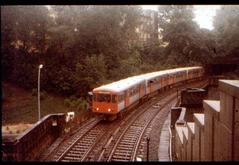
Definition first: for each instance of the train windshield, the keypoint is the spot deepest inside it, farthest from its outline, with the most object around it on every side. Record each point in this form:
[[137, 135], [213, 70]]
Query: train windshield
[[104, 98], [113, 98]]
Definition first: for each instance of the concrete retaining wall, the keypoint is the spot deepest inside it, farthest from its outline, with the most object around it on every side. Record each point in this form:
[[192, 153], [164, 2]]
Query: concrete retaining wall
[[33, 141], [214, 134]]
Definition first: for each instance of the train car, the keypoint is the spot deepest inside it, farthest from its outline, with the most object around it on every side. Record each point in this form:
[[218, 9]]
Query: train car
[[153, 82], [180, 75], [113, 98], [194, 72]]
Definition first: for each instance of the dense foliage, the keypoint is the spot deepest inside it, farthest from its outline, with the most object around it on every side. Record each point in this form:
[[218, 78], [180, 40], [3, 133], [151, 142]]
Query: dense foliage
[[227, 31], [82, 47], [188, 44]]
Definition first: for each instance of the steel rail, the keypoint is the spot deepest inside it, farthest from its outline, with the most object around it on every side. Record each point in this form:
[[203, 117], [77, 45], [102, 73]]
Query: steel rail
[[142, 131]]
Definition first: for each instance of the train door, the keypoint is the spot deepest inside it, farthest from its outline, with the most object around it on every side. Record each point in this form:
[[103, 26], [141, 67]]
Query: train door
[[147, 87], [126, 95], [190, 74], [142, 90], [184, 76], [187, 75], [151, 86], [172, 78], [167, 77], [162, 81], [158, 83], [177, 76]]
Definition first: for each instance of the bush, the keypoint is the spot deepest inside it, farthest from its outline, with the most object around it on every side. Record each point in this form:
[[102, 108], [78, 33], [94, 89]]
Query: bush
[[73, 102], [67, 102], [82, 104]]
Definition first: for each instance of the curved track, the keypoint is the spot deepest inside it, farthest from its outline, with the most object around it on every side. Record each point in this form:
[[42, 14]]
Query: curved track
[[78, 150], [57, 154], [125, 148], [121, 140]]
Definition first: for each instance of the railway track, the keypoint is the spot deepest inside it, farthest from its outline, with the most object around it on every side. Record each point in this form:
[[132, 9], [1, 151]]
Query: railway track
[[130, 142], [66, 145], [121, 140], [79, 150], [126, 146], [83, 145]]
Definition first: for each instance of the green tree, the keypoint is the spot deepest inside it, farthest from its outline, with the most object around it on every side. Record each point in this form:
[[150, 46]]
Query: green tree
[[80, 47], [24, 31], [226, 23], [92, 72], [187, 43]]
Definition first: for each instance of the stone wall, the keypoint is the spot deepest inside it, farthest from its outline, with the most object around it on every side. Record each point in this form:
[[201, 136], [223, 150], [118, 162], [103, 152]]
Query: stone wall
[[34, 140]]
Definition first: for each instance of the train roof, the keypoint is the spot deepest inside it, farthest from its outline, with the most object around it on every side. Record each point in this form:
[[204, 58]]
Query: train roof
[[152, 75], [120, 85], [124, 84]]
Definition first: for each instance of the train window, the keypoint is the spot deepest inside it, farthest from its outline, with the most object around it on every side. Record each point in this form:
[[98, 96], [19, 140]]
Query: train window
[[120, 98], [113, 98], [134, 91], [104, 98], [131, 92]]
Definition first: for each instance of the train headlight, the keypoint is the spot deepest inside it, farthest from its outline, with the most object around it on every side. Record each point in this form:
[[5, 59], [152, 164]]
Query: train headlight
[[109, 109], [97, 109]]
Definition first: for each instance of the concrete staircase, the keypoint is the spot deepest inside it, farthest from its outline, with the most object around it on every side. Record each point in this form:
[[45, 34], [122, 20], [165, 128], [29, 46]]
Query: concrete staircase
[[214, 134]]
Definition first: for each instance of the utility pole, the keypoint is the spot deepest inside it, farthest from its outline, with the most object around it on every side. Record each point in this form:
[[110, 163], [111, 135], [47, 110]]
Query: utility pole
[[148, 139], [39, 110]]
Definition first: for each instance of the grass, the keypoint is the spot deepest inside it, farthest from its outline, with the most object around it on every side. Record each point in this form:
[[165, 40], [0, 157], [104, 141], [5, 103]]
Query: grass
[[19, 106], [29, 113], [15, 129]]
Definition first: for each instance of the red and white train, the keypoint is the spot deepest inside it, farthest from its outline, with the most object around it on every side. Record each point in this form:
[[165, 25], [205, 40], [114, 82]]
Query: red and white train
[[113, 98]]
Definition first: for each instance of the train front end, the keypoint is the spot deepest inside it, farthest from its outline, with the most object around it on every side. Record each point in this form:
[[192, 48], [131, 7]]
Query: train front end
[[104, 102]]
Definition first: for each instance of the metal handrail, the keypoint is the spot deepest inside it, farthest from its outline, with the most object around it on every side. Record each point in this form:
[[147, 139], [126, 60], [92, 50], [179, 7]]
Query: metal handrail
[[170, 144]]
